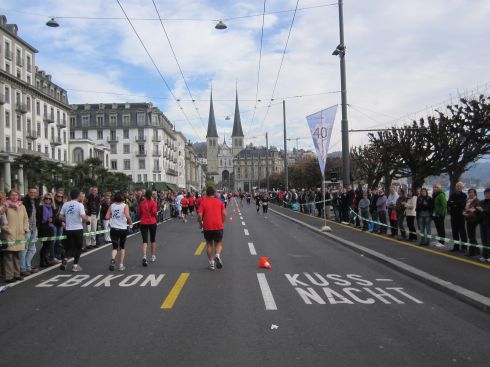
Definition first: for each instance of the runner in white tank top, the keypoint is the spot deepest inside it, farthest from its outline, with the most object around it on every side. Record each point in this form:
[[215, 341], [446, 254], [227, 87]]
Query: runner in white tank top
[[118, 216]]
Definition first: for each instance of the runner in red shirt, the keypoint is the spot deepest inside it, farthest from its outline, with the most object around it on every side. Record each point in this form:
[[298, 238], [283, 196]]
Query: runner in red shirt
[[211, 217], [192, 203], [148, 213], [185, 207]]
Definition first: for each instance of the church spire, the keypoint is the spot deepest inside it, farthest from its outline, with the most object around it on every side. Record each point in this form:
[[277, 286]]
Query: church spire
[[212, 132], [237, 123]]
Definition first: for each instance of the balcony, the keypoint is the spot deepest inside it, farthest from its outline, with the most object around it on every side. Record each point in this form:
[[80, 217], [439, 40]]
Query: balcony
[[32, 152], [156, 153], [140, 138], [21, 108], [113, 139], [61, 124], [157, 170], [31, 135], [156, 139], [175, 160], [55, 141], [8, 55], [48, 118], [172, 172], [2, 99], [141, 153], [19, 62]]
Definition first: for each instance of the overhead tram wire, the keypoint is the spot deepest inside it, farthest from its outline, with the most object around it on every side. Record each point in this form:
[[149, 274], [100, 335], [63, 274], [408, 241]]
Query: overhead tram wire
[[280, 66], [258, 71], [158, 70], [173, 19], [202, 100], [178, 64]]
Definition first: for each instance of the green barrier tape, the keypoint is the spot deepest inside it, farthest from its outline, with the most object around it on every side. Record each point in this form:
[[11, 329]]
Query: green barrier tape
[[431, 236]]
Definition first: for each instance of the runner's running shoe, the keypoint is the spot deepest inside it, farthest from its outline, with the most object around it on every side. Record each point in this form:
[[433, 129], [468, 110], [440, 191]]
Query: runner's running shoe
[[76, 268], [211, 266], [145, 262], [153, 258], [218, 261], [113, 264], [63, 264], [122, 267]]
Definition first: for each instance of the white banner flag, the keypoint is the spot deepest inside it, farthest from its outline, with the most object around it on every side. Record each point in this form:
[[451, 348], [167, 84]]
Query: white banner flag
[[321, 125]]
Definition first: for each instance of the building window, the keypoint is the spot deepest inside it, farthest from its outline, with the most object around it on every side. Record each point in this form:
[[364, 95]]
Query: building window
[[72, 135], [78, 155], [126, 120], [113, 148], [38, 128], [141, 164], [141, 148], [114, 164], [126, 148], [141, 118], [39, 148], [113, 120], [64, 137], [7, 119], [7, 94], [100, 134], [38, 108], [127, 164], [19, 124], [145, 177], [64, 155], [100, 121], [85, 134], [59, 154], [7, 143], [28, 102], [126, 133], [45, 130], [139, 178], [85, 120], [131, 177]]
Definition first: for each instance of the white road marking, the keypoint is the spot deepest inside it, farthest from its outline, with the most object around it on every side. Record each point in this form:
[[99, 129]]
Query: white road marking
[[384, 280], [245, 230], [252, 248], [241, 217], [270, 304], [243, 223]]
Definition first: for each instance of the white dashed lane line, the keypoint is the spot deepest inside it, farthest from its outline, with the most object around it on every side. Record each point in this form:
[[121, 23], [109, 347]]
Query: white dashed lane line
[[252, 248], [245, 230], [270, 304], [243, 223]]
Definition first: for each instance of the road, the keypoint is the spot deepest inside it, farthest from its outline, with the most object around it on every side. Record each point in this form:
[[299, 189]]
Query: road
[[320, 305]]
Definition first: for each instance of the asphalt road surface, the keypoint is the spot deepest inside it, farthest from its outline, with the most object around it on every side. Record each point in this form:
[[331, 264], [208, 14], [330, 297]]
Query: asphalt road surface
[[320, 305]]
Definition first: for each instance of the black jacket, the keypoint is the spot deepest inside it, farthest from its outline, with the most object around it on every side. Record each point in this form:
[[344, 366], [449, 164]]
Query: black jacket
[[457, 203], [28, 204], [93, 204]]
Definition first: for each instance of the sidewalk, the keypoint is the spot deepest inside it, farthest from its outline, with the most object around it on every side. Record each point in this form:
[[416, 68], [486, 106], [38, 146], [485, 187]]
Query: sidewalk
[[468, 274]]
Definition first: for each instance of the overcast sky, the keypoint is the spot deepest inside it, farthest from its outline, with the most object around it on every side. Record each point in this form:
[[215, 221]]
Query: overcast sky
[[403, 58]]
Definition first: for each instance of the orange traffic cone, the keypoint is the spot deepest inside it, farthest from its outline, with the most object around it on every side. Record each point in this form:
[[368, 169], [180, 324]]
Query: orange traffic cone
[[264, 263]]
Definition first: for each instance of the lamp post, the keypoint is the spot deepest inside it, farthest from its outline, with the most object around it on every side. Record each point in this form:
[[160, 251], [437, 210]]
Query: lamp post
[[286, 183], [340, 51]]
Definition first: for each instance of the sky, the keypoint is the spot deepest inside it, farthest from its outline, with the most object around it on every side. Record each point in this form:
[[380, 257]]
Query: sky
[[404, 59]]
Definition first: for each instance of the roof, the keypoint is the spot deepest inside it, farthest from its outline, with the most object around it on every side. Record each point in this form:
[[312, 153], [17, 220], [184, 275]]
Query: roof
[[237, 123], [212, 132]]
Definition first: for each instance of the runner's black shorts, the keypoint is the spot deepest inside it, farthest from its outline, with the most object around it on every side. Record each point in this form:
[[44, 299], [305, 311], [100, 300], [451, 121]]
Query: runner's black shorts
[[214, 235], [118, 238], [145, 228], [191, 209], [185, 210]]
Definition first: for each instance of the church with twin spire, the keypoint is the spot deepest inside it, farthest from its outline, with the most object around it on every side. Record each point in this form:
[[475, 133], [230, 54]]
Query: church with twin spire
[[220, 157]]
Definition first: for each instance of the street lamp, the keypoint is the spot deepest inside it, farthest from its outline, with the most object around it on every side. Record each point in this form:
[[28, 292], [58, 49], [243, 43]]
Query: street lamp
[[340, 52], [52, 23], [220, 25]]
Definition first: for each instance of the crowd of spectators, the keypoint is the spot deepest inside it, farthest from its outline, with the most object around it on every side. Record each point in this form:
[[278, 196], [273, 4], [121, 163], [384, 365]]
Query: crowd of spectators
[[405, 214]]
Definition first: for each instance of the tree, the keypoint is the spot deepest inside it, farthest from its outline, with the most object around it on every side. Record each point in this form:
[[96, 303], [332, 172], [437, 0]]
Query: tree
[[367, 164], [33, 168], [462, 136], [305, 173]]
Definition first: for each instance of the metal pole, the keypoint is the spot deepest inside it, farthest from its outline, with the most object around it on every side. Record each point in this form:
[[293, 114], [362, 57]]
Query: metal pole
[[286, 183], [343, 87], [267, 159], [324, 205]]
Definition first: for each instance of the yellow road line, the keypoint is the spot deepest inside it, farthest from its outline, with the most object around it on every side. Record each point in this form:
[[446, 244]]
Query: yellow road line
[[468, 261], [174, 293], [200, 248]]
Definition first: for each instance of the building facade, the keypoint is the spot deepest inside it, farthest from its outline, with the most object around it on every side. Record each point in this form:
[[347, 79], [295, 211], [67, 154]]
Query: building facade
[[252, 165], [220, 157], [139, 138], [33, 110]]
